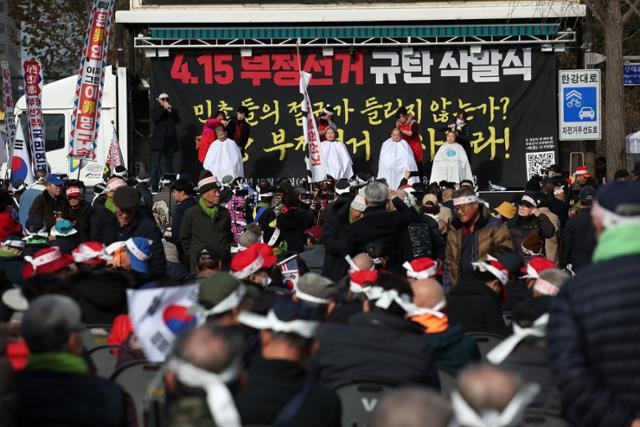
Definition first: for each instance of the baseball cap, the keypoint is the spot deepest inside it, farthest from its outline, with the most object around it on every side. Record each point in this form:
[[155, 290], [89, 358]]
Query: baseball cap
[[55, 179]]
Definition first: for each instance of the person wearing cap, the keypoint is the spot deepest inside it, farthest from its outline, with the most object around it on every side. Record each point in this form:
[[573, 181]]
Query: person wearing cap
[[164, 142], [487, 395], [128, 222], [472, 234], [224, 156], [80, 211], [51, 205], [474, 303], [335, 157], [378, 344], [529, 221], [551, 245], [439, 212], [183, 194], [220, 297], [505, 211], [325, 122], [36, 235], [11, 260], [132, 255], [279, 375], [64, 236], [52, 329], [238, 129], [143, 185], [254, 266], [580, 178], [395, 159], [207, 223], [579, 234], [200, 376], [48, 261], [453, 350], [317, 291], [314, 251], [103, 209], [593, 326]]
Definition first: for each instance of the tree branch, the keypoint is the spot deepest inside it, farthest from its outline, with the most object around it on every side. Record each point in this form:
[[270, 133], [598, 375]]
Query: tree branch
[[633, 7], [598, 8]]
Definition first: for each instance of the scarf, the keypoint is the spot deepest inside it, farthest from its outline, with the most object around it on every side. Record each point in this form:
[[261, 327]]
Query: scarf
[[500, 352], [616, 242], [64, 363], [110, 205], [210, 212], [431, 323]]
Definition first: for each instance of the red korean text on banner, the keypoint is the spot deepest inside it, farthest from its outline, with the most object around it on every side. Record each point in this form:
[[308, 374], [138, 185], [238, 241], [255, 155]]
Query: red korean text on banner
[[310, 130], [33, 84], [114, 155], [88, 95]]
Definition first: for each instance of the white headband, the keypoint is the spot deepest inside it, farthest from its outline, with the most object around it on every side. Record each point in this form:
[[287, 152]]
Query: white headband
[[611, 219], [308, 297], [464, 200], [434, 311], [581, 172], [500, 352], [342, 191], [230, 302], [545, 287], [424, 274], [529, 200], [510, 416], [87, 253], [219, 399], [558, 191], [249, 269], [385, 297], [304, 328], [14, 243], [207, 180], [41, 260]]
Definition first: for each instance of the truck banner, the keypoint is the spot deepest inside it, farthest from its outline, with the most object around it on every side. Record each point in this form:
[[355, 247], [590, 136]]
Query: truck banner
[[509, 95], [7, 100], [33, 83], [88, 96]]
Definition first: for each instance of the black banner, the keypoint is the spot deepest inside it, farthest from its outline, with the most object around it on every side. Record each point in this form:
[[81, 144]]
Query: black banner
[[508, 94]]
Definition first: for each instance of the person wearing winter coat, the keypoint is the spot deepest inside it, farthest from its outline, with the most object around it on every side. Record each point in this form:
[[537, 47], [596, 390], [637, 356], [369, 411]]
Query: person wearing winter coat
[[594, 321], [292, 223], [51, 205], [579, 236], [164, 142], [337, 221], [529, 222]]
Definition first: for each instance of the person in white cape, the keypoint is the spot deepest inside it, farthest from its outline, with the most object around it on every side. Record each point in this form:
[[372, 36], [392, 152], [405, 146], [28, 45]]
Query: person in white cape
[[223, 156], [450, 162], [396, 158], [335, 157]]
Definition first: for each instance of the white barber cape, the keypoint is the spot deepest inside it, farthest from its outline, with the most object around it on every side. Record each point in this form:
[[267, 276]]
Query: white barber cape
[[450, 164], [224, 158], [336, 159], [395, 159]]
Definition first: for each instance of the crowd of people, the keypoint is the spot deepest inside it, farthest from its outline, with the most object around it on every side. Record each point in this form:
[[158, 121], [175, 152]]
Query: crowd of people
[[306, 289]]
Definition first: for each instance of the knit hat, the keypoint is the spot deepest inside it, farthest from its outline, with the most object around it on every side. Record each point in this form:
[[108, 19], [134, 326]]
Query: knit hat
[[582, 171], [362, 280], [587, 194], [207, 182], [315, 232], [358, 203], [93, 253], [63, 228], [45, 261], [536, 266], [126, 198], [73, 191], [506, 210], [421, 268], [316, 289], [618, 203], [285, 316], [219, 293]]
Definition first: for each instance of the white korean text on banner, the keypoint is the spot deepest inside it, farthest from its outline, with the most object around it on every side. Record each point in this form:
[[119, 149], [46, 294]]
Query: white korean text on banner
[[579, 105], [33, 84], [88, 96], [21, 162], [310, 131], [7, 99], [114, 155], [158, 316]]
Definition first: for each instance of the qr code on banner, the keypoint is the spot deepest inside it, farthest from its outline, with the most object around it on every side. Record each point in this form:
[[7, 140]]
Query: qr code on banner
[[536, 162]]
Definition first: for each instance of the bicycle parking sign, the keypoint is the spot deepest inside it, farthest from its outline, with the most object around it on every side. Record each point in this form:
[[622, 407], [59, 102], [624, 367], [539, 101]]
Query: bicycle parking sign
[[579, 105]]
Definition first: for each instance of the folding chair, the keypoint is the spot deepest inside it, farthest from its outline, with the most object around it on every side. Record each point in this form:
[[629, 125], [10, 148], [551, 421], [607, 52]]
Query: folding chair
[[535, 417], [104, 360], [486, 341], [95, 335], [358, 402], [135, 378]]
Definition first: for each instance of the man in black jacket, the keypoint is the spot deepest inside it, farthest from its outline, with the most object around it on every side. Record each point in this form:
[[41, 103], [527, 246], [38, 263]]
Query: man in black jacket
[[379, 345], [279, 390], [164, 142], [529, 221], [579, 236], [51, 205], [182, 192], [594, 322], [129, 222], [336, 223], [238, 129]]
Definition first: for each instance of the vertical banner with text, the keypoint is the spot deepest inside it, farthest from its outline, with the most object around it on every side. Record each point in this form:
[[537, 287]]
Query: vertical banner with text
[[315, 167], [88, 96], [33, 84], [7, 100]]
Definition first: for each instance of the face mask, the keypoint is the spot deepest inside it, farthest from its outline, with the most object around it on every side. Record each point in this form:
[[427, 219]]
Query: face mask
[[266, 281]]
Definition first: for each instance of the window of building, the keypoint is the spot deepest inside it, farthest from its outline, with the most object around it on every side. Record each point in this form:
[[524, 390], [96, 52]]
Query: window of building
[[54, 131]]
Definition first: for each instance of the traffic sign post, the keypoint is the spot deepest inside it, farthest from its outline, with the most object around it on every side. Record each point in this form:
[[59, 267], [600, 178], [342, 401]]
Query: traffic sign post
[[631, 74], [579, 105]]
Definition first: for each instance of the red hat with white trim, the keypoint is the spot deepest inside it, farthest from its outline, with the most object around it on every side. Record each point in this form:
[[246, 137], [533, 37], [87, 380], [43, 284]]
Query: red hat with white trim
[[536, 266], [582, 171], [45, 261], [93, 253], [421, 268], [73, 191], [266, 252], [498, 270], [362, 280], [254, 258]]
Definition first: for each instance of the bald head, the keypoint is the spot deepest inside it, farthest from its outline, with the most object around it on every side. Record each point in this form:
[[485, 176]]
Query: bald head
[[427, 293], [485, 387], [206, 347], [363, 261], [412, 407]]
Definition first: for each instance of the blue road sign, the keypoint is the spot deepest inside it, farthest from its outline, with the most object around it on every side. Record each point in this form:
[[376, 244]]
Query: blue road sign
[[632, 74], [580, 104]]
